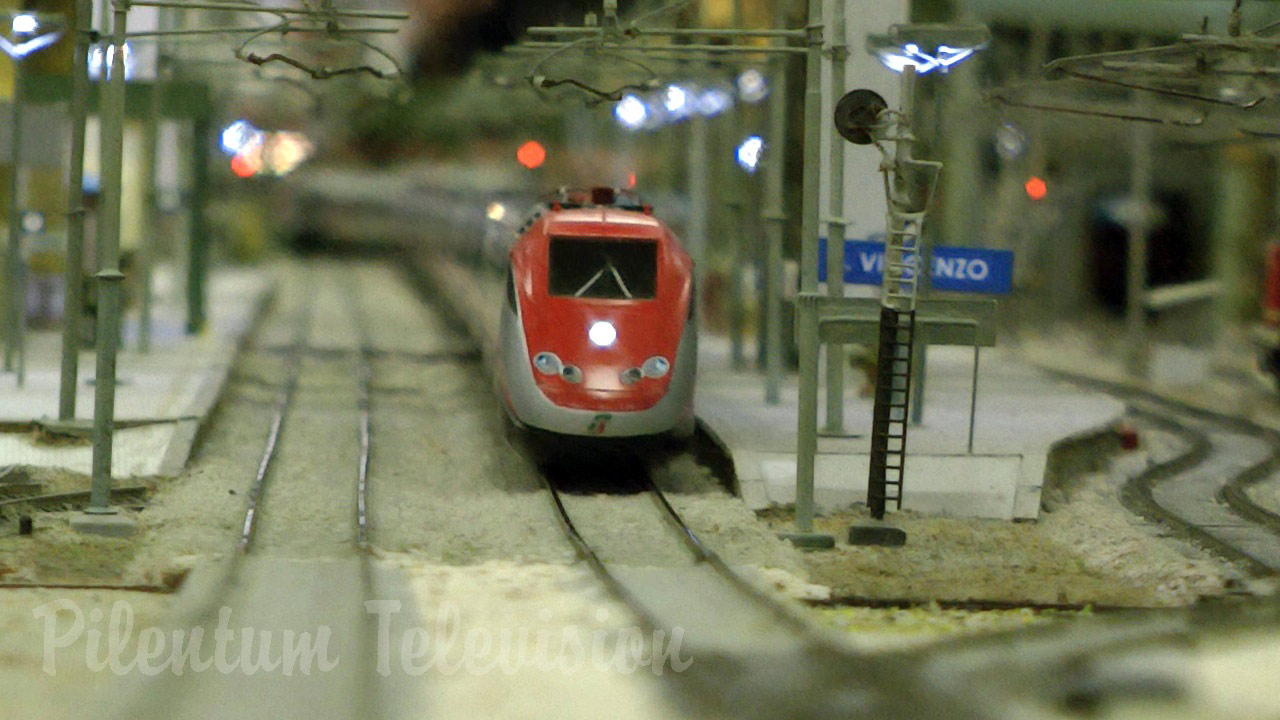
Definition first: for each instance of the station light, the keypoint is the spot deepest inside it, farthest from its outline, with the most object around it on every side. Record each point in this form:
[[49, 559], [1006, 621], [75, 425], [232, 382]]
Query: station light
[[239, 135], [910, 54], [602, 333], [749, 152], [927, 48], [255, 151], [713, 101], [30, 33], [285, 151], [100, 59], [1036, 188], [631, 112], [1010, 142], [24, 24], [531, 154], [752, 86], [676, 100], [32, 222]]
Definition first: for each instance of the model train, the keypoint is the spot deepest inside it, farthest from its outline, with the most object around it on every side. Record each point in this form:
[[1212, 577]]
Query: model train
[[598, 332]]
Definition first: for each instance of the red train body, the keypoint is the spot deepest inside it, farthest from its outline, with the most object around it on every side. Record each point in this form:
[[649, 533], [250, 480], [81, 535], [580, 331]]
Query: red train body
[[598, 332]]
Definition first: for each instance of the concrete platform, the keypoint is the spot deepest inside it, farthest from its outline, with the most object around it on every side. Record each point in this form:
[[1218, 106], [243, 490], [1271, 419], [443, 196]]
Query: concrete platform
[[163, 396], [1022, 414]]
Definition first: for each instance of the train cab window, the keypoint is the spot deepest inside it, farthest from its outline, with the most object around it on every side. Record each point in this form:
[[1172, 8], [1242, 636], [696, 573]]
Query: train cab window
[[604, 269]]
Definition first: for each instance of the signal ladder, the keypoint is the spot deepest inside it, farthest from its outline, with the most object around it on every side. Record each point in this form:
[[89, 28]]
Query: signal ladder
[[893, 362]]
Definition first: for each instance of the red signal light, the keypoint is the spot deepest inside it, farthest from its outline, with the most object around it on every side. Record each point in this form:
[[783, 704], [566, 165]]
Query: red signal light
[[531, 154], [243, 167], [1036, 188]]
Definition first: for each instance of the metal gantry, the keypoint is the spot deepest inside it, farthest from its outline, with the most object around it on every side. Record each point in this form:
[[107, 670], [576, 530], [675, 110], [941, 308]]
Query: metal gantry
[[1180, 85]]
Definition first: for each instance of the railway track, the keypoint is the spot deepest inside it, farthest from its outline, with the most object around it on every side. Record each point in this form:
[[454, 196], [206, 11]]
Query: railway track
[[1201, 494], [52, 502], [265, 588], [753, 656], [283, 400], [703, 556]]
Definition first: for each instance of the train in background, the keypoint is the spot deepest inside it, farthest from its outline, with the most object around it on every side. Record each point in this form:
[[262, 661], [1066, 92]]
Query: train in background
[[452, 207], [598, 330], [472, 210]]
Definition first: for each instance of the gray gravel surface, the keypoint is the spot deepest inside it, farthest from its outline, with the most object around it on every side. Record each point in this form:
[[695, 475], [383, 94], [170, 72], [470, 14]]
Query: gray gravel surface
[[446, 484]]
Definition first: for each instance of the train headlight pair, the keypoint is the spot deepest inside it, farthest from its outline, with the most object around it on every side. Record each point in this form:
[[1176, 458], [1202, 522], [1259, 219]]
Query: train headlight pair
[[549, 364], [655, 367]]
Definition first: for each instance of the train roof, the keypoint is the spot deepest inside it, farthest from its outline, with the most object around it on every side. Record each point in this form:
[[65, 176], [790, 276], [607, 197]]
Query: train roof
[[600, 212], [589, 221]]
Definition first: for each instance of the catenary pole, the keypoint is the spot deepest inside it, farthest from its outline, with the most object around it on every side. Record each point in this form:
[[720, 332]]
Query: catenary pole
[[14, 359], [775, 164], [836, 222], [109, 278], [73, 273], [807, 313]]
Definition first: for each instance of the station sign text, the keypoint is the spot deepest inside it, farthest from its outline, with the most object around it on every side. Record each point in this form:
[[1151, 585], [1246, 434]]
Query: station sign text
[[954, 269]]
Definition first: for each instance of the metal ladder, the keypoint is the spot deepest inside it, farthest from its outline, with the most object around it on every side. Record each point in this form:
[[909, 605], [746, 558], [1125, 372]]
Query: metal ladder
[[893, 363]]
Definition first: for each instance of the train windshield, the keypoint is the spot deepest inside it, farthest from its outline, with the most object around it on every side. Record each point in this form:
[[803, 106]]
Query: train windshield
[[603, 269]]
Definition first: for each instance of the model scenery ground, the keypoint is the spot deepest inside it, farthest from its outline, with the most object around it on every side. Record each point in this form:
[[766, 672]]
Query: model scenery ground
[[462, 512]]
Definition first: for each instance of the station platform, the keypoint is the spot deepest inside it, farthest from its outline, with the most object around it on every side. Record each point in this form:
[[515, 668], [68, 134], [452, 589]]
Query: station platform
[[1022, 415], [162, 396]]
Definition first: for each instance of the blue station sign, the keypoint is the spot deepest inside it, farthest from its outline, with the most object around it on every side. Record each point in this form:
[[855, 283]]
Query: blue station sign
[[955, 269]]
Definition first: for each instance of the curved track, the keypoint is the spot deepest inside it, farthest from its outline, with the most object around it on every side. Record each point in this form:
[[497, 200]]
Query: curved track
[[703, 557], [752, 655]]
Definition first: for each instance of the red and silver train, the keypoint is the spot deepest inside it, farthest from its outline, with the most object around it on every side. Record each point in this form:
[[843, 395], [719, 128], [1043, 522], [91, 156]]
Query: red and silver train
[[598, 331]]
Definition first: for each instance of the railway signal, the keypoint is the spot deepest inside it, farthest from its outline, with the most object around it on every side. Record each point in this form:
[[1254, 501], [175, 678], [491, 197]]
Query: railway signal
[[863, 117]]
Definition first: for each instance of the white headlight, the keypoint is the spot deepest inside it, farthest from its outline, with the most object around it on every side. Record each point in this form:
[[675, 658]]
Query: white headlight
[[602, 333], [547, 363], [655, 367]]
